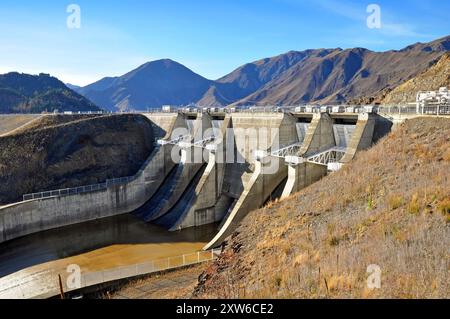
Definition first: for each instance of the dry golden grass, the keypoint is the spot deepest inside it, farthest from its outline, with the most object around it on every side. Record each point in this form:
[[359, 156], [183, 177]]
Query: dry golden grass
[[10, 123], [390, 207]]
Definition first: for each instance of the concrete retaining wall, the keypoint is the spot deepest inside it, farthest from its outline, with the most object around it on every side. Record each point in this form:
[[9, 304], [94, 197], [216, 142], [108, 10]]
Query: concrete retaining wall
[[301, 176]]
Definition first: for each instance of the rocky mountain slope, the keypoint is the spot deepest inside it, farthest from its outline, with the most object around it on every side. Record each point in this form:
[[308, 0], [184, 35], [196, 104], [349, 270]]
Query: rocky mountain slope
[[151, 85], [24, 93], [433, 78], [343, 75], [68, 151], [389, 208], [251, 77], [296, 77]]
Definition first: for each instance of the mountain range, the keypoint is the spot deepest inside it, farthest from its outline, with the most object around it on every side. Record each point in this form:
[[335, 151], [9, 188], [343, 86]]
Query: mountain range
[[296, 77], [24, 93], [321, 76]]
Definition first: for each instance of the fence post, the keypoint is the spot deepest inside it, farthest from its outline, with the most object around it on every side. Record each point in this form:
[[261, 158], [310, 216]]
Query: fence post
[[198, 256], [184, 259]]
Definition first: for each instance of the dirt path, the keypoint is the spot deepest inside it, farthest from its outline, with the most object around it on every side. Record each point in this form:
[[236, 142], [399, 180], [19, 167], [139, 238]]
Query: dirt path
[[11, 123]]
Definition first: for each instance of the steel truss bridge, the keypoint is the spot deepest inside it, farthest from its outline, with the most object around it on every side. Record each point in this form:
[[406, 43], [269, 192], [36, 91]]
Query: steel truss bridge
[[290, 155], [332, 155], [185, 141]]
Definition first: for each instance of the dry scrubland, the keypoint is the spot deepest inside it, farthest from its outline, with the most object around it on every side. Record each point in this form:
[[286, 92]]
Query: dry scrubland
[[9, 123], [45, 121], [390, 207]]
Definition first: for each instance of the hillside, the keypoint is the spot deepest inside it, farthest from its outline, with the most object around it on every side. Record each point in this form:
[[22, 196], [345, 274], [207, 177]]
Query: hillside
[[65, 151], [432, 79], [390, 207], [151, 85], [24, 93]]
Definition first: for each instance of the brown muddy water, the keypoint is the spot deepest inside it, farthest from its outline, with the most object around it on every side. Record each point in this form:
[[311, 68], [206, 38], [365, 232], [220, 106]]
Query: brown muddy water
[[111, 241]]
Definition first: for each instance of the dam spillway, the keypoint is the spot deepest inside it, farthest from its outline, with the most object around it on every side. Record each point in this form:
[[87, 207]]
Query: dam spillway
[[205, 171]]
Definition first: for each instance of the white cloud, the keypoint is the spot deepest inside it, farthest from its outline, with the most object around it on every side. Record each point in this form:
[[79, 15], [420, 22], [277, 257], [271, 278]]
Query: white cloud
[[400, 30], [389, 25]]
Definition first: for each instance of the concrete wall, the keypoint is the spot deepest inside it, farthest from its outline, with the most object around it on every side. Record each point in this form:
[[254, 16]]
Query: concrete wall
[[362, 137], [255, 194], [206, 207], [301, 176], [163, 123], [192, 160], [319, 135]]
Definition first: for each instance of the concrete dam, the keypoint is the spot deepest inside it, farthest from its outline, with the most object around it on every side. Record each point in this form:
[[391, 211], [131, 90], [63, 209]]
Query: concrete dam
[[208, 167]]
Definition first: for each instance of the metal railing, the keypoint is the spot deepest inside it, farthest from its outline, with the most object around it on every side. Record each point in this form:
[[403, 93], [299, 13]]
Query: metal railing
[[331, 155], [66, 191], [429, 109], [175, 141], [81, 189], [89, 188], [204, 142], [411, 108], [290, 150], [95, 278]]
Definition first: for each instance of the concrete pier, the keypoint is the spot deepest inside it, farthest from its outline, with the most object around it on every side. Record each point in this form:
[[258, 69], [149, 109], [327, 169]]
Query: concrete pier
[[362, 137], [256, 192], [204, 205], [301, 175], [191, 162]]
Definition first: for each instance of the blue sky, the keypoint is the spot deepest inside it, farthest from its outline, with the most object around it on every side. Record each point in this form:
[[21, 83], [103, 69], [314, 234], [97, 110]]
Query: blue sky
[[212, 37]]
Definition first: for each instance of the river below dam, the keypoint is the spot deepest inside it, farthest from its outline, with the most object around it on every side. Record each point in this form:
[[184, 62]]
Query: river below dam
[[103, 243]]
